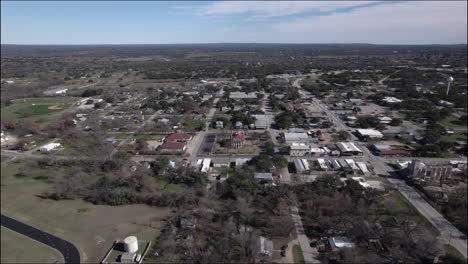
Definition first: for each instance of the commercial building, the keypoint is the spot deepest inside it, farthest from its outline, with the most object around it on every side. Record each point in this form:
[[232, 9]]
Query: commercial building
[[178, 137], [302, 166], [261, 121], [242, 95], [348, 149], [298, 149], [170, 146], [369, 133], [322, 164], [295, 137]]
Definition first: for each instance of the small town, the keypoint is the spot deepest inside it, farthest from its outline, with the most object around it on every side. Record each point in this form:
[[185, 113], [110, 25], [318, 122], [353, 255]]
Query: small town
[[216, 153]]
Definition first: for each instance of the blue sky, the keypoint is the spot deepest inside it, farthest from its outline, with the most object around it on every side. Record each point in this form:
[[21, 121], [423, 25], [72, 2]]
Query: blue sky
[[159, 22]]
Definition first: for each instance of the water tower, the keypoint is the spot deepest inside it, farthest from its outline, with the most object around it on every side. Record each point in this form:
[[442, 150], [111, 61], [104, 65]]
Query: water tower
[[449, 83]]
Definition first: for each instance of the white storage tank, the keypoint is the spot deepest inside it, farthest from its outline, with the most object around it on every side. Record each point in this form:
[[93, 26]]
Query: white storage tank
[[130, 244]]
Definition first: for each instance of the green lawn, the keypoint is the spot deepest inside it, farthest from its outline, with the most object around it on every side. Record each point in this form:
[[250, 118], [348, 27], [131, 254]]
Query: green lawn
[[21, 108], [91, 228], [451, 122], [297, 254], [16, 248], [454, 137]]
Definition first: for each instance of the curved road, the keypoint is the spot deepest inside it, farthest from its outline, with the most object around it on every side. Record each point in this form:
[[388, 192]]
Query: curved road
[[69, 251]]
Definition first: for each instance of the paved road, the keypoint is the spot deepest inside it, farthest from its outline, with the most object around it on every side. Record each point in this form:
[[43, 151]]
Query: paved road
[[447, 231], [310, 254], [69, 251]]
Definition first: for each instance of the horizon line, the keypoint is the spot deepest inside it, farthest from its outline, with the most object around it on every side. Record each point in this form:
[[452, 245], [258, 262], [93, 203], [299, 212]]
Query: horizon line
[[261, 43]]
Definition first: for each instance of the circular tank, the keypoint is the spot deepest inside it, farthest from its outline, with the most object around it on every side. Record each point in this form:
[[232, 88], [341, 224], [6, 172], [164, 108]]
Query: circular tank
[[130, 244]]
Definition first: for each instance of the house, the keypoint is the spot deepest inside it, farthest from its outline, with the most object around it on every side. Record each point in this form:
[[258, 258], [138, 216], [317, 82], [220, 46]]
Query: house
[[290, 138], [302, 166], [340, 242], [163, 121], [242, 95], [50, 146], [384, 119], [263, 176], [219, 124], [238, 125], [446, 103], [176, 137], [170, 146], [241, 162], [237, 139], [348, 149], [369, 133], [299, 149]]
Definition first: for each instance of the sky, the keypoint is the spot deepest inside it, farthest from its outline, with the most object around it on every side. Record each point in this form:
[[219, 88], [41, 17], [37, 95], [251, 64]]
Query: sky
[[161, 22]]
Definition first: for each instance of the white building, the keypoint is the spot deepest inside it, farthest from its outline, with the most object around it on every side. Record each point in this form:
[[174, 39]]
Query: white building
[[205, 165], [298, 149], [58, 91], [295, 137], [302, 166], [384, 119], [392, 100], [242, 95], [348, 148], [322, 164], [50, 146], [371, 133], [263, 176]]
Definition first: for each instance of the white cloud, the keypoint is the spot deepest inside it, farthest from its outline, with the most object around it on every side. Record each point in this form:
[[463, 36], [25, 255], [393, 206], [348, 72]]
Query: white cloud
[[274, 8], [417, 22]]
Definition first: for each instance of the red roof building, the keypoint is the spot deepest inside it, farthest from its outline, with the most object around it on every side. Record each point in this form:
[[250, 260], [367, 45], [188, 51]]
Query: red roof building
[[178, 137], [237, 139], [173, 146]]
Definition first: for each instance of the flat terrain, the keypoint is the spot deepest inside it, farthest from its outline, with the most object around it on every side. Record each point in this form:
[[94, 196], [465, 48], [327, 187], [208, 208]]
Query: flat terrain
[[20, 249], [91, 228], [27, 107]]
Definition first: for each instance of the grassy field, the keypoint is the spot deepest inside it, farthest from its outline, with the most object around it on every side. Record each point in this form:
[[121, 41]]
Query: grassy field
[[297, 254], [91, 228], [35, 107], [4, 158], [17, 248]]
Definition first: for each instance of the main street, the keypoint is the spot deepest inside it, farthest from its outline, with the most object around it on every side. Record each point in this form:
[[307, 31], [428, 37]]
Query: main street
[[448, 232]]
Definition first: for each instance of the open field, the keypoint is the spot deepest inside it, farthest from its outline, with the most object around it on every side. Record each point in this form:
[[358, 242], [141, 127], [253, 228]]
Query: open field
[[91, 228], [455, 137], [17, 248], [27, 107]]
